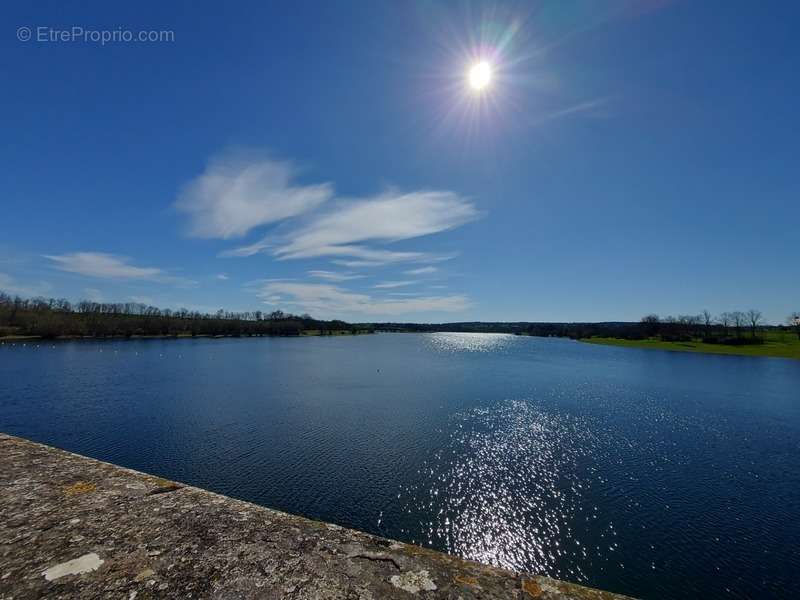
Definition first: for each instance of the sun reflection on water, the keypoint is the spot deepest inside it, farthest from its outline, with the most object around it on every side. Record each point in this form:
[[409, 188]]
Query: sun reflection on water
[[470, 342], [508, 489]]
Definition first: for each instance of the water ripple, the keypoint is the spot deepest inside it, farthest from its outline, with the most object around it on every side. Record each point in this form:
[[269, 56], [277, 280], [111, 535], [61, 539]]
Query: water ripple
[[508, 489], [470, 342]]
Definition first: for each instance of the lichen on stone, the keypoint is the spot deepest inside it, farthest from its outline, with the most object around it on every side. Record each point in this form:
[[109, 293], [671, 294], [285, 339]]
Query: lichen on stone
[[77, 566], [531, 588], [414, 582], [466, 580], [80, 487]]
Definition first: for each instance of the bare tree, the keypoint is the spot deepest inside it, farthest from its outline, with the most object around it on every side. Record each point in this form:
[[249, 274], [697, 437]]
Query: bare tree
[[739, 321], [793, 320], [689, 324], [651, 324], [725, 319], [754, 319], [708, 320]]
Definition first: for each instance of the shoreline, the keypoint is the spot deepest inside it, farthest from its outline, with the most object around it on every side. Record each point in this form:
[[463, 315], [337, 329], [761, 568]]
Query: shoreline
[[88, 338], [769, 349]]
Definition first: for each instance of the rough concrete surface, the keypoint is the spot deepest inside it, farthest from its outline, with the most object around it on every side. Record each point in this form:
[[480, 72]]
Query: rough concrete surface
[[74, 527]]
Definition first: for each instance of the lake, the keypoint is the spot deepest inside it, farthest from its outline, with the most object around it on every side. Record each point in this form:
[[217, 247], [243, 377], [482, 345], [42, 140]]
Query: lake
[[644, 472]]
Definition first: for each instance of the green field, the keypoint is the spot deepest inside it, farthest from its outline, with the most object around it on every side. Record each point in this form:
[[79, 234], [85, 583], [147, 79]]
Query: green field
[[777, 344]]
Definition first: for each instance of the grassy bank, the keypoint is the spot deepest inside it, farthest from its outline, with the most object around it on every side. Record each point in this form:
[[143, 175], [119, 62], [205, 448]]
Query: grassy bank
[[776, 344]]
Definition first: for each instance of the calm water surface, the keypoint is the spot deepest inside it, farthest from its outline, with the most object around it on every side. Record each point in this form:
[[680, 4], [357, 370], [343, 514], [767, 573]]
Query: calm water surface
[[656, 474]]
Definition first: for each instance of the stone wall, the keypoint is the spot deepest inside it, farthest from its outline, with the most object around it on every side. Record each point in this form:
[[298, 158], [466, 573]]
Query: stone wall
[[73, 527]]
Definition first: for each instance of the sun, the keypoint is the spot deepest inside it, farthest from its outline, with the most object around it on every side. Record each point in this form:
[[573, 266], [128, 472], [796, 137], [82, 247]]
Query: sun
[[480, 75]]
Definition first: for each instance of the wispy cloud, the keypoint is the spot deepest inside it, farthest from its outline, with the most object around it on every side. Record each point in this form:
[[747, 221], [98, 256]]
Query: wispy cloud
[[334, 275], [422, 271], [380, 258], [330, 301], [387, 285], [222, 277], [10, 285], [343, 231], [111, 266], [238, 192], [248, 250], [388, 218], [592, 108]]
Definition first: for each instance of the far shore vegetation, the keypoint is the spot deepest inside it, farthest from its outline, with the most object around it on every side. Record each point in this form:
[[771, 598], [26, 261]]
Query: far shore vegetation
[[778, 344], [743, 333], [52, 318], [739, 332]]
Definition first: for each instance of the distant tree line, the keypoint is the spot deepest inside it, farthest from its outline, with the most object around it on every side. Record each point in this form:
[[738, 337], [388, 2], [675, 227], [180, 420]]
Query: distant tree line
[[738, 328], [570, 330], [58, 317]]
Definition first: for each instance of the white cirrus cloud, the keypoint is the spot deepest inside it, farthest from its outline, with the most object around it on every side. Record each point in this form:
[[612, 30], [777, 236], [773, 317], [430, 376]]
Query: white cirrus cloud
[[343, 231], [329, 301], [422, 271], [334, 275], [248, 250], [390, 217], [387, 285], [111, 266], [378, 257], [239, 192]]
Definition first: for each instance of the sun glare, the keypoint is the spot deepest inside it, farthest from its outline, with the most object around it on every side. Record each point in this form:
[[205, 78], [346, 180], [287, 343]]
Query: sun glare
[[480, 74]]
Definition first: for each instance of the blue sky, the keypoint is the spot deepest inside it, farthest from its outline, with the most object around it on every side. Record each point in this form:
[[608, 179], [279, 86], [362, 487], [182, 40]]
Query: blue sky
[[626, 158]]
